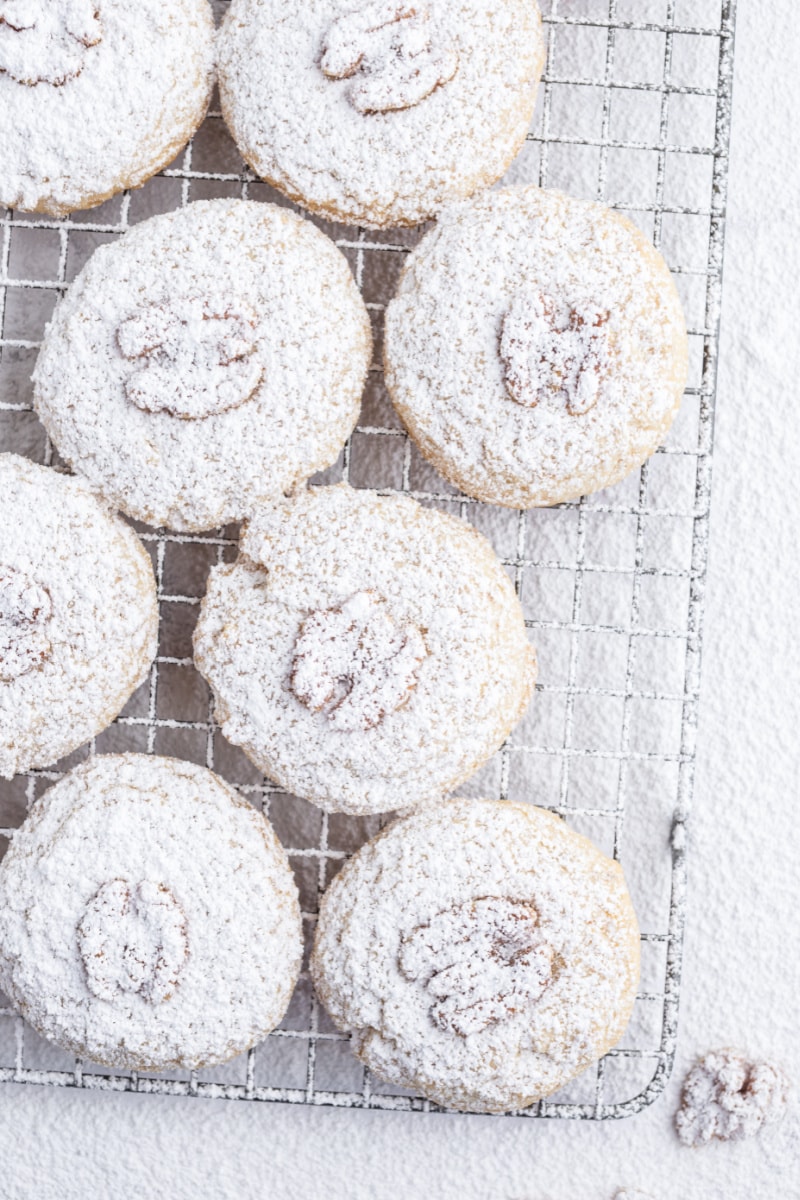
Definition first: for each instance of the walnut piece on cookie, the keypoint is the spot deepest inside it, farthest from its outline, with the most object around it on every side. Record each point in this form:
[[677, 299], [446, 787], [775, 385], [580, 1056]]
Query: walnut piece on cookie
[[355, 664], [149, 919], [483, 961], [196, 356], [480, 952], [394, 50]]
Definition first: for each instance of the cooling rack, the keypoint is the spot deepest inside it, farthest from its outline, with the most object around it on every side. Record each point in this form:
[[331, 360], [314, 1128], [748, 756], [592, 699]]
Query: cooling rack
[[634, 110]]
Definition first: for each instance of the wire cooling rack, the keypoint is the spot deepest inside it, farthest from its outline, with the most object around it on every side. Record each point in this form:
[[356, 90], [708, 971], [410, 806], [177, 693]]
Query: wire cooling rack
[[634, 110]]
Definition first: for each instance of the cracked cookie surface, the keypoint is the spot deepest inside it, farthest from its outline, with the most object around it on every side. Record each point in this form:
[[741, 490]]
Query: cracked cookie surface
[[365, 652]]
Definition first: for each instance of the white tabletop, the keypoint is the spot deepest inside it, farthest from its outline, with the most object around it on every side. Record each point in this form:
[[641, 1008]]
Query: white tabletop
[[740, 980]]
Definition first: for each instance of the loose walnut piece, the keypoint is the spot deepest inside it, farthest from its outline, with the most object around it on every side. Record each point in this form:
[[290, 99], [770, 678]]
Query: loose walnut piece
[[551, 350], [728, 1097], [399, 58], [198, 357], [46, 41], [133, 939], [355, 664], [484, 961], [25, 611]]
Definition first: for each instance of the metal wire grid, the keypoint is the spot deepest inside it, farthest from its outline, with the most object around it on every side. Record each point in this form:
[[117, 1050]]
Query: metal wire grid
[[612, 586]]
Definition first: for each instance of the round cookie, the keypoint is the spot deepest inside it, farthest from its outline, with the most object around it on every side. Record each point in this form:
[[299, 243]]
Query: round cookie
[[481, 953], [148, 916], [365, 652], [379, 113], [97, 95], [78, 615], [536, 349], [211, 356]]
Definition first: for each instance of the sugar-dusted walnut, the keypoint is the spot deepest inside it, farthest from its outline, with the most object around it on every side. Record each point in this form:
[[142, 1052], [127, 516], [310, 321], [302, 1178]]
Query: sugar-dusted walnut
[[47, 41], [482, 961], [727, 1097], [554, 351], [196, 356], [396, 54], [133, 938], [355, 663], [25, 612]]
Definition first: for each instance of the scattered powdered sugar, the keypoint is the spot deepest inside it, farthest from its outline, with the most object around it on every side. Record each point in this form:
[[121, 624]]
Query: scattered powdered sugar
[[133, 938], [97, 96], [394, 49], [78, 615], [271, 645], [483, 961], [728, 1097], [380, 113], [25, 612], [552, 352], [47, 43], [198, 356], [480, 952], [148, 916], [556, 303], [355, 664], [249, 290], [632, 1194]]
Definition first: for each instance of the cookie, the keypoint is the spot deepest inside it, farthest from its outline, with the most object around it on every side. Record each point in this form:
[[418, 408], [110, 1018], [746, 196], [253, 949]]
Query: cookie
[[210, 356], [365, 652], [378, 112], [97, 95], [480, 953], [78, 615], [536, 349], [148, 916]]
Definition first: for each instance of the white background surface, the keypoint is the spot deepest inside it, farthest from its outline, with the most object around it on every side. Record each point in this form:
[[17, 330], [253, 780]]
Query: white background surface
[[742, 961]]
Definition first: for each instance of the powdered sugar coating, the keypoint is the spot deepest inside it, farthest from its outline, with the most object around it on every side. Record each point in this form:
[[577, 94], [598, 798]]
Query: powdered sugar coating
[[446, 126], [428, 572], [456, 855], [47, 43], [182, 889], [311, 345], [115, 89], [78, 615], [616, 369], [728, 1097]]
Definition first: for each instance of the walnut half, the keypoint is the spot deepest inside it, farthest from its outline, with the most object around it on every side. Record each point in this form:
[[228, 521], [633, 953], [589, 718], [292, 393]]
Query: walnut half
[[554, 351], [133, 938], [483, 962], [394, 50]]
